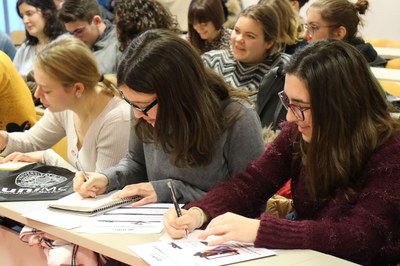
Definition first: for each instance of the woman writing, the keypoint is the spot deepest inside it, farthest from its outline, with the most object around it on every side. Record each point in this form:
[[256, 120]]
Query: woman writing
[[81, 105], [340, 147], [192, 129]]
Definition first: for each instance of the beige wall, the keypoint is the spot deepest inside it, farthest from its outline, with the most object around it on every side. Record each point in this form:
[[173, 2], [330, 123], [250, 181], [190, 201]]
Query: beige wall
[[380, 21]]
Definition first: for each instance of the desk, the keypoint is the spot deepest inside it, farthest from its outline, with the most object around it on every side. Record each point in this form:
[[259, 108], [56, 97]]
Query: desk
[[388, 53], [116, 245], [386, 73]]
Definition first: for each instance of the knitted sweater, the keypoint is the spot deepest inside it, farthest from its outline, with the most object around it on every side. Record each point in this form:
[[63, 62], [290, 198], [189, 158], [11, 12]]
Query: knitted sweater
[[148, 162], [365, 229], [242, 76]]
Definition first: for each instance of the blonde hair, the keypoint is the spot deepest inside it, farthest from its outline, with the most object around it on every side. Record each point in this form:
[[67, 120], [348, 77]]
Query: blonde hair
[[69, 61], [290, 26]]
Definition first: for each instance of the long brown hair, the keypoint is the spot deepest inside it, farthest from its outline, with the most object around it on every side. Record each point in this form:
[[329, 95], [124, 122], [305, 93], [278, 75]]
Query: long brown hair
[[191, 99], [350, 116]]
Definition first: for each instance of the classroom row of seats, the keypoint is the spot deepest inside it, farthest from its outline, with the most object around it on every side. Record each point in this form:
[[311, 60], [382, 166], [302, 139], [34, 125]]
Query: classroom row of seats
[[391, 87]]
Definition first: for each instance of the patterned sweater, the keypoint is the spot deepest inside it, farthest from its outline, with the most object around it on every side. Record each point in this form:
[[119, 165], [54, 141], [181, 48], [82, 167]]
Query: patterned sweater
[[364, 229], [239, 75]]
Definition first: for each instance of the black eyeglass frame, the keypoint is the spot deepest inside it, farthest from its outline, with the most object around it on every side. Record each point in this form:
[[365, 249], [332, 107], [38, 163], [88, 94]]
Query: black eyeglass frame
[[298, 111], [145, 110]]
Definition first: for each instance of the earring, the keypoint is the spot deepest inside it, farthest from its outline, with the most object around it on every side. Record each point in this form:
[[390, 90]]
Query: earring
[[78, 95]]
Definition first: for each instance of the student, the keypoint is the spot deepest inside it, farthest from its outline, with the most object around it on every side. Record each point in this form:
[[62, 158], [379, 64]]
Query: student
[[192, 128], [78, 106], [136, 16], [340, 146], [83, 20], [205, 29], [255, 50], [339, 19], [6, 45], [41, 27], [17, 111], [290, 27]]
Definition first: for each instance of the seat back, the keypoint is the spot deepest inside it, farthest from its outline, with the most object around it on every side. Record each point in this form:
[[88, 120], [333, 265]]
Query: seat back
[[17, 37], [384, 43], [393, 63]]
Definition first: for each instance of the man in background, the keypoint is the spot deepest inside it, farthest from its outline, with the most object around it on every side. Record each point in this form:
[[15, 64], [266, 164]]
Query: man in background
[[83, 19]]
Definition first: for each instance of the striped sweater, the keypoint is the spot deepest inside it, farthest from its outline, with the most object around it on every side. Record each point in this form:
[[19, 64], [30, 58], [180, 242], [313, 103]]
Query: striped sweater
[[239, 75]]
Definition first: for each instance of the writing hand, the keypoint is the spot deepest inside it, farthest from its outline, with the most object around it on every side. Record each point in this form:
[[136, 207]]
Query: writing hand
[[230, 226], [96, 185], [145, 190], [176, 226]]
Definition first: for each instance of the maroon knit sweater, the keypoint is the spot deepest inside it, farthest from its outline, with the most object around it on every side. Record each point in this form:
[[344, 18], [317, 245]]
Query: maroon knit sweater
[[365, 229]]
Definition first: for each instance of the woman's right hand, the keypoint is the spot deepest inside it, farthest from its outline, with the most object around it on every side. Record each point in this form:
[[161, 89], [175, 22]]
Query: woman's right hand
[[96, 184], [175, 226]]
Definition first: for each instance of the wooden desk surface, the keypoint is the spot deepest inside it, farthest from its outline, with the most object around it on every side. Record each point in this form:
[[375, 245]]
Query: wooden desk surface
[[116, 245], [386, 73], [388, 53]]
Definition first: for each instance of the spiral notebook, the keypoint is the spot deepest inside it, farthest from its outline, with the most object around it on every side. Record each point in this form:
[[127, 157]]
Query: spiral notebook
[[75, 204]]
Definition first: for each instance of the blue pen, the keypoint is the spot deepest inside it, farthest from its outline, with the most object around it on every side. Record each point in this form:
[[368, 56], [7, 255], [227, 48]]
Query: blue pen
[[176, 205]]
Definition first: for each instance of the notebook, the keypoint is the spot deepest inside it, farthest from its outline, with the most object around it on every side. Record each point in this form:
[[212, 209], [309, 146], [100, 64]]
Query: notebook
[[75, 204]]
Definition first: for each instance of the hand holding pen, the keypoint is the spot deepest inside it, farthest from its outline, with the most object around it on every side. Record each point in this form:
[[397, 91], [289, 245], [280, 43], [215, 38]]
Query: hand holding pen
[[79, 165], [176, 205]]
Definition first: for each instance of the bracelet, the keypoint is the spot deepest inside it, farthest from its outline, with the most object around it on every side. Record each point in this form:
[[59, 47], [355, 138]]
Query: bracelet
[[203, 218]]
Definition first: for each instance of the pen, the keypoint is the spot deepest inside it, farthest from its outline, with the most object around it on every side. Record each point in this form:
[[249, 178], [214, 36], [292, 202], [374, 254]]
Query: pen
[[176, 205], [80, 167]]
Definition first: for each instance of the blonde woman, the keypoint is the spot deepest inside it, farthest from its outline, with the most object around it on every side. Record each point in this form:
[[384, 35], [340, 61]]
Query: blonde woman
[[81, 105]]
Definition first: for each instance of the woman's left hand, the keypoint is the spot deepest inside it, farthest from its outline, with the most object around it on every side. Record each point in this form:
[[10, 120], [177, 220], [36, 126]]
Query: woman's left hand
[[145, 190], [230, 226], [30, 157]]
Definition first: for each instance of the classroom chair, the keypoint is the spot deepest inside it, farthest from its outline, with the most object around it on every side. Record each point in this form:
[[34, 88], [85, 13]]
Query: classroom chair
[[393, 63], [17, 37], [391, 87], [61, 146], [384, 43]]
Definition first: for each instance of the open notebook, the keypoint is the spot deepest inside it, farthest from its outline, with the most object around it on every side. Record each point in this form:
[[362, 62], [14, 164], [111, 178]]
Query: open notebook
[[74, 203]]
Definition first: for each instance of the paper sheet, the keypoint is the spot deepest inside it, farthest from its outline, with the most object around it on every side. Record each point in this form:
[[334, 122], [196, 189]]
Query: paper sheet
[[192, 251], [146, 219]]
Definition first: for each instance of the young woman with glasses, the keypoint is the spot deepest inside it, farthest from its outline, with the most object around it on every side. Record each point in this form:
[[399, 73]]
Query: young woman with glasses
[[192, 129], [340, 19], [340, 147]]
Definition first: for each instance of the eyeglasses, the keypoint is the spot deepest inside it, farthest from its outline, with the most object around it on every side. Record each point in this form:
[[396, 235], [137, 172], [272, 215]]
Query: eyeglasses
[[312, 28], [145, 110], [297, 110]]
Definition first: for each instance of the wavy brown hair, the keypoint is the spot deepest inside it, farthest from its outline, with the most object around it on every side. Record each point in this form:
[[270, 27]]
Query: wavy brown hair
[[136, 16], [53, 26], [191, 99], [350, 116]]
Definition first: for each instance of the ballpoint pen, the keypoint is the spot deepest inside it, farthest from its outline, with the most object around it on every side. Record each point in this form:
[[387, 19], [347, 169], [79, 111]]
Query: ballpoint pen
[[176, 205], [80, 167]]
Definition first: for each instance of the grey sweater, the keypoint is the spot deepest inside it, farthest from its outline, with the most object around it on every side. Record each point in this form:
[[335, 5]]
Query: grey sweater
[[146, 162]]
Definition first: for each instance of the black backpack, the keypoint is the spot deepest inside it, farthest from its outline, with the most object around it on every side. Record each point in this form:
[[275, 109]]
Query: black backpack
[[268, 105]]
